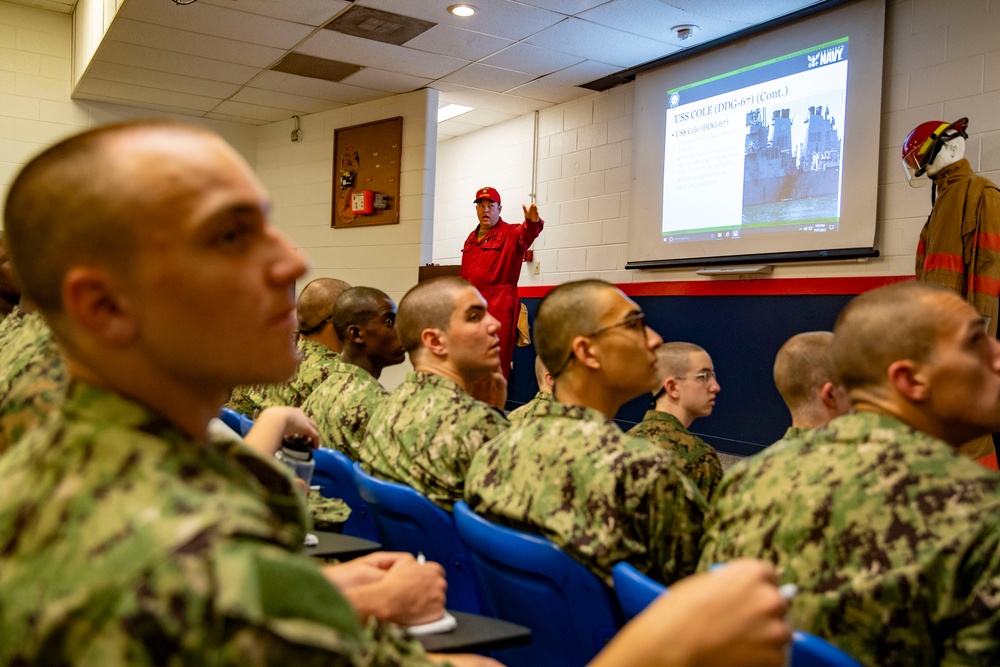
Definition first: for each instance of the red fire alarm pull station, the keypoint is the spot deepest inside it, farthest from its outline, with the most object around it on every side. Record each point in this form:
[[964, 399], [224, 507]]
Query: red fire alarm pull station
[[363, 202]]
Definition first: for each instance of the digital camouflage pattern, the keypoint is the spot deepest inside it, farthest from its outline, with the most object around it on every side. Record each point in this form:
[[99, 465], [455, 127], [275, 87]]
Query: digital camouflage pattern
[[342, 405], [425, 435], [314, 362], [122, 541], [892, 538], [528, 409], [696, 458], [327, 513], [569, 473], [32, 375], [794, 432]]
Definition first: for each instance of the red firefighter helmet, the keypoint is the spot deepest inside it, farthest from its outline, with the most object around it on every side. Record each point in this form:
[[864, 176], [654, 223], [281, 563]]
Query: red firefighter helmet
[[923, 143]]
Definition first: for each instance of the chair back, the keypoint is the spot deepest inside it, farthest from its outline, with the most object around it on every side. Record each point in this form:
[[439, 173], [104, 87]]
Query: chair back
[[531, 581], [408, 521], [335, 479], [635, 591], [237, 421], [812, 651]]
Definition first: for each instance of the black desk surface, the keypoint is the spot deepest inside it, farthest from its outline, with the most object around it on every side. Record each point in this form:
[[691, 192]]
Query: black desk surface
[[476, 634], [341, 547]]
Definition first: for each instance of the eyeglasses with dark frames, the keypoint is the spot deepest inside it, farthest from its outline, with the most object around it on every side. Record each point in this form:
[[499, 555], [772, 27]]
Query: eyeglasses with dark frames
[[634, 321]]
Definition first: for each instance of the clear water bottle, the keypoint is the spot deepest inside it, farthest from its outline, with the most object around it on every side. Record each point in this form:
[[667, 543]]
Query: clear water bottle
[[297, 453]]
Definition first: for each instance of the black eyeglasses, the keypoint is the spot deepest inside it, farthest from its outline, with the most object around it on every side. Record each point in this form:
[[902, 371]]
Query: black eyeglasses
[[633, 321]]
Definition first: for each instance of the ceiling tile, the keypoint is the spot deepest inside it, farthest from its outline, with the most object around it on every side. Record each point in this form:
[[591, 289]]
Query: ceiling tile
[[531, 59], [484, 99], [327, 44], [378, 25], [254, 111], [753, 13], [182, 41], [653, 19], [218, 21], [458, 43], [596, 42], [113, 114], [234, 119], [173, 62], [309, 12], [297, 103], [314, 68], [501, 18], [109, 71], [490, 78], [391, 82], [125, 92], [567, 7], [324, 90]]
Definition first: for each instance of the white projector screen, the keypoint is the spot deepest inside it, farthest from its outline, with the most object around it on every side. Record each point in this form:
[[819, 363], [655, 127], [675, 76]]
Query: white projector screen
[[762, 150]]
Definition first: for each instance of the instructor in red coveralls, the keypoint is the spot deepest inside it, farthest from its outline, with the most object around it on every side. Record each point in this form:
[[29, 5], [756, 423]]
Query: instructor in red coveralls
[[491, 260]]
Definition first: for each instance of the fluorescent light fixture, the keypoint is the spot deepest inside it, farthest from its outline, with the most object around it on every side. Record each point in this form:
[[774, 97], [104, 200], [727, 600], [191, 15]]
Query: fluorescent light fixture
[[451, 110], [462, 10]]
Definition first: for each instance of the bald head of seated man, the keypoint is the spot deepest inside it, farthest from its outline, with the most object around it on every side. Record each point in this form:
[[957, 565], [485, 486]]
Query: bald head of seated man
[[803, 374], [427, 431], [125, 535], [567, 471], [314, 310], [876, 516]]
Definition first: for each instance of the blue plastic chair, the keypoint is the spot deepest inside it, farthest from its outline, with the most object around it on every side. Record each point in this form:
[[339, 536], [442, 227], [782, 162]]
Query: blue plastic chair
[[635, 591], [237, 421], [408, 521], [531, 581], [335, 479]]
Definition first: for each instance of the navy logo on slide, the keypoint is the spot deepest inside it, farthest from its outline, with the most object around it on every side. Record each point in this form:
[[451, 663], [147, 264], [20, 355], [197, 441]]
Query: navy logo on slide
[[675, 99]]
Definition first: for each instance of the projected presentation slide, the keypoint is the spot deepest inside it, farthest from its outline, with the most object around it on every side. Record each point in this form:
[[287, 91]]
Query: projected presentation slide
[[758, 149]]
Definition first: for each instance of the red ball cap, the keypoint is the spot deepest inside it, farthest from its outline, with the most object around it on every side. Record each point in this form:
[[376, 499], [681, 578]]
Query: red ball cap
[[487, 193]]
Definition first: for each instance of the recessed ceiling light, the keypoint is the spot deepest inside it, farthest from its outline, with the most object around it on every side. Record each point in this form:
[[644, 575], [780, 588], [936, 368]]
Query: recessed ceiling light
[[451, 110], [462, 10]]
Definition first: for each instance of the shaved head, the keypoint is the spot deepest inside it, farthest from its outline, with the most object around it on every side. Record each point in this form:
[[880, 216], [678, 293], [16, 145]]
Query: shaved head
[[673, 359], [84, 201], [316, 302], [568, 311], [428, 305], [887, 324], [802, 366], [357, 305]]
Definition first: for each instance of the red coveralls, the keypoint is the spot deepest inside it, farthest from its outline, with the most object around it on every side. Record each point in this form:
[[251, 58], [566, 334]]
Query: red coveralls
[[493, 265]]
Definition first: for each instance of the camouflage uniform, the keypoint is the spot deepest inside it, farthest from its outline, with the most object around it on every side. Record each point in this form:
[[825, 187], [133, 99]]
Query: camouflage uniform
[[32, 375], [696, 458], [425, 435], [794, 432], [342, 405], [520, 414], [569, 473], [122, 541], [315, 359], [891, 536]]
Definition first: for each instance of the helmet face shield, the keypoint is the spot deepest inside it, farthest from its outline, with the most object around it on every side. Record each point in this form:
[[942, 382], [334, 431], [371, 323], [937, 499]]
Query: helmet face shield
[[923, 144]]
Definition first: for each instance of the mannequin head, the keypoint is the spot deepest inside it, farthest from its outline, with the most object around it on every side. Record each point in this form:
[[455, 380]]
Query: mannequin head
[[932, 146]]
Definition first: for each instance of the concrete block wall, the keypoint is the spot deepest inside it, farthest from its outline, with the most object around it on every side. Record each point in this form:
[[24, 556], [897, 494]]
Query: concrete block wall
[[299, 176], [942, 61], [36, 48]]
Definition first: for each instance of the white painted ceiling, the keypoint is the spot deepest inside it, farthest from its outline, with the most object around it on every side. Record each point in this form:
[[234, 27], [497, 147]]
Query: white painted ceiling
[[212, 58]]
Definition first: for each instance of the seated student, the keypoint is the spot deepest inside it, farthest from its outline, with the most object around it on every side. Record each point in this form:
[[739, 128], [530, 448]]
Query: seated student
[[364, 318], [892, 537], [567, 471], [32, 373], [544, 395], [803, 374], [425, 434], [686, 390], [126, 537], [318, 347]]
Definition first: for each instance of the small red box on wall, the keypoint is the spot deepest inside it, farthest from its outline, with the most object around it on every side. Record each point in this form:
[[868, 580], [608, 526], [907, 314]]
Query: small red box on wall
[[362, 202]]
